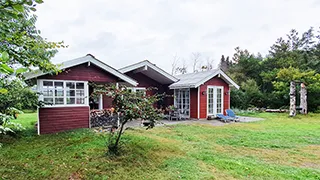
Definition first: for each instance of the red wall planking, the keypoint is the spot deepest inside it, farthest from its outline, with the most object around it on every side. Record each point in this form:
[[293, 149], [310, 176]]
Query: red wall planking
[[194, 103], [57, 119], [107, 102], [145, 81], [83, 72], [203, 98]]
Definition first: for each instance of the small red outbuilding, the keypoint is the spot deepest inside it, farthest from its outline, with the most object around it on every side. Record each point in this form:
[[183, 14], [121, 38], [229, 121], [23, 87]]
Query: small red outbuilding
[[203, 94]]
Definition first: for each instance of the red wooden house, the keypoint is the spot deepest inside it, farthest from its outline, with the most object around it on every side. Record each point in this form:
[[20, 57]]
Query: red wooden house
[[198, 95], [203, 94]]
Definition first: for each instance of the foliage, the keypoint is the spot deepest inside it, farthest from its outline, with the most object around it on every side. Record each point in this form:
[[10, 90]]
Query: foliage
[[20, 42], [294, 58], [274, 148], [130, 105], [238, 99], [7, 126], [21, 49], [248, 96], [17, 95]]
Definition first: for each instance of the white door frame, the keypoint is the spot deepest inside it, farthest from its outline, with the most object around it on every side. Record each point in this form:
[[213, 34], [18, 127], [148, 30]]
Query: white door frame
[[100, 101], [215, 99]]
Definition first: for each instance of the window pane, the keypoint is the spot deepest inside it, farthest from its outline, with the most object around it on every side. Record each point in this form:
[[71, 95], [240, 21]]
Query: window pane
[[80, 92], [80, 100], [71, 100], [47, 92], [58, 92], [70, 85], [80, 85], [71, 93], [59, 101], [47, 84], [58, 85], [48, 100]]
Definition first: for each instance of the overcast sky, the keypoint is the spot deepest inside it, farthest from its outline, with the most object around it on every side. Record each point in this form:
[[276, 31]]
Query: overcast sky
[[122, 32]]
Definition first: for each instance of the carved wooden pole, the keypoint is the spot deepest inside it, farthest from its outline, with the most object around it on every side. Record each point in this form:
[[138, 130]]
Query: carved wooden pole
[[292, 98], [303, 99]]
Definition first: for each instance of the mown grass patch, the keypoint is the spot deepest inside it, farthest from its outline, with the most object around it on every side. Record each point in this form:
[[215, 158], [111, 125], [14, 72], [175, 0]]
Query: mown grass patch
[[276, 148]]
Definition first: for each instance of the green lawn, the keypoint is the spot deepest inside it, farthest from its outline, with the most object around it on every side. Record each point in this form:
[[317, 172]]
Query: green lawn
[[277, 148]]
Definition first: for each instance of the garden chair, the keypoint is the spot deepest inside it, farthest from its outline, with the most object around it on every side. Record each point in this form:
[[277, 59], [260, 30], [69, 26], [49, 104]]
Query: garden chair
[[175, 115], [232, 115], [223, 118]]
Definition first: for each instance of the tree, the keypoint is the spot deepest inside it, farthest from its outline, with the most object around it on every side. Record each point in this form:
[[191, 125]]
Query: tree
[[225, 63], [245, 66], [20, 42], [195, 58], [184, 67], [21, 49], [174, 64], [295, 57], [130, 106], [18, 96], [208, 65]]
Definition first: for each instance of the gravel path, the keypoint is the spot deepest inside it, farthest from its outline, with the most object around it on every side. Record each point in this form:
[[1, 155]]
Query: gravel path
[[195, 121]]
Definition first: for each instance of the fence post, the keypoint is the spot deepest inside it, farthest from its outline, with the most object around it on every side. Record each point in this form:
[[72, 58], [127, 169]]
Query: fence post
[[303, 99], [292, 99]]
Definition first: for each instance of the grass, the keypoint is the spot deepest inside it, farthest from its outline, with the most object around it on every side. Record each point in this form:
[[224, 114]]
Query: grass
[[276, 148]]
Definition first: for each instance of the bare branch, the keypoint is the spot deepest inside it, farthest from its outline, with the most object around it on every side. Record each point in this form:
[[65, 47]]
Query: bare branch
[[184, 68], [174, 64], [195, 57]]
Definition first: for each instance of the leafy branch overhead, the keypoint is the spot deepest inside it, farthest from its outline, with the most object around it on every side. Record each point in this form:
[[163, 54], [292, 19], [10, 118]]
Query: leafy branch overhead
[[21, 46], [21, 49]]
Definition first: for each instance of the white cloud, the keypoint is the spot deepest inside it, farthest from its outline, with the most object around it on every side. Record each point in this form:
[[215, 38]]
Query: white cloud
[[124, 31]]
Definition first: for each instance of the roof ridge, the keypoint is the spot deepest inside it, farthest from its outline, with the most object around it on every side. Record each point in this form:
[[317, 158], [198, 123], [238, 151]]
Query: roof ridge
[[146, 60], [198, 72]]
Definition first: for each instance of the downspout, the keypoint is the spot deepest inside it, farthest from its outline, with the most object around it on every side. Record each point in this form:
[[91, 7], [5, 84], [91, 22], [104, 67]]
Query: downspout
[[38, 123]]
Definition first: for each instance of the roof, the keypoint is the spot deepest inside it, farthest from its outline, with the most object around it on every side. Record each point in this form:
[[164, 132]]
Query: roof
[[85, 59], [150, 70], [194, 80]]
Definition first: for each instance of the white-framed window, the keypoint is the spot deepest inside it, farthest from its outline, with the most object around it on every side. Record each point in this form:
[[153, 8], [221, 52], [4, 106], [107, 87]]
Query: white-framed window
[[63, 92], [137, 89]]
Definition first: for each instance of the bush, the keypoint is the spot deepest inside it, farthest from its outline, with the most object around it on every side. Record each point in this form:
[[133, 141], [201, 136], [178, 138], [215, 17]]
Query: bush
[[7, 127]]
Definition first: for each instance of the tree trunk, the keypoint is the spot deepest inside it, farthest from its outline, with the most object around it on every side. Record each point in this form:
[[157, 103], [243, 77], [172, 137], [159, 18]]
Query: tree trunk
[[119, 135], [303, 99], [292, 98]]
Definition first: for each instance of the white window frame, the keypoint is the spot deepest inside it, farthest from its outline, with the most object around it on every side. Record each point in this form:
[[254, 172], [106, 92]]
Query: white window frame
[[86, 91], [134, 89], [215, 108], [175, 99]]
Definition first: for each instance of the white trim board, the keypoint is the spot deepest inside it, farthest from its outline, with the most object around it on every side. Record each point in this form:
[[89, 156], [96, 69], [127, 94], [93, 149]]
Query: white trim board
[[86, 59], [196, 84], [146, 64]]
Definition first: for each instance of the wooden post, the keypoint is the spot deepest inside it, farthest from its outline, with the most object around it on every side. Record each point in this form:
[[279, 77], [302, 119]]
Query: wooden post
[[292, 98], [303, 99]]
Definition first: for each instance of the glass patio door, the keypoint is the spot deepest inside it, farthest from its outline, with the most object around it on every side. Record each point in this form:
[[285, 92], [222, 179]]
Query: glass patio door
[[182, 100], [214, 100]]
